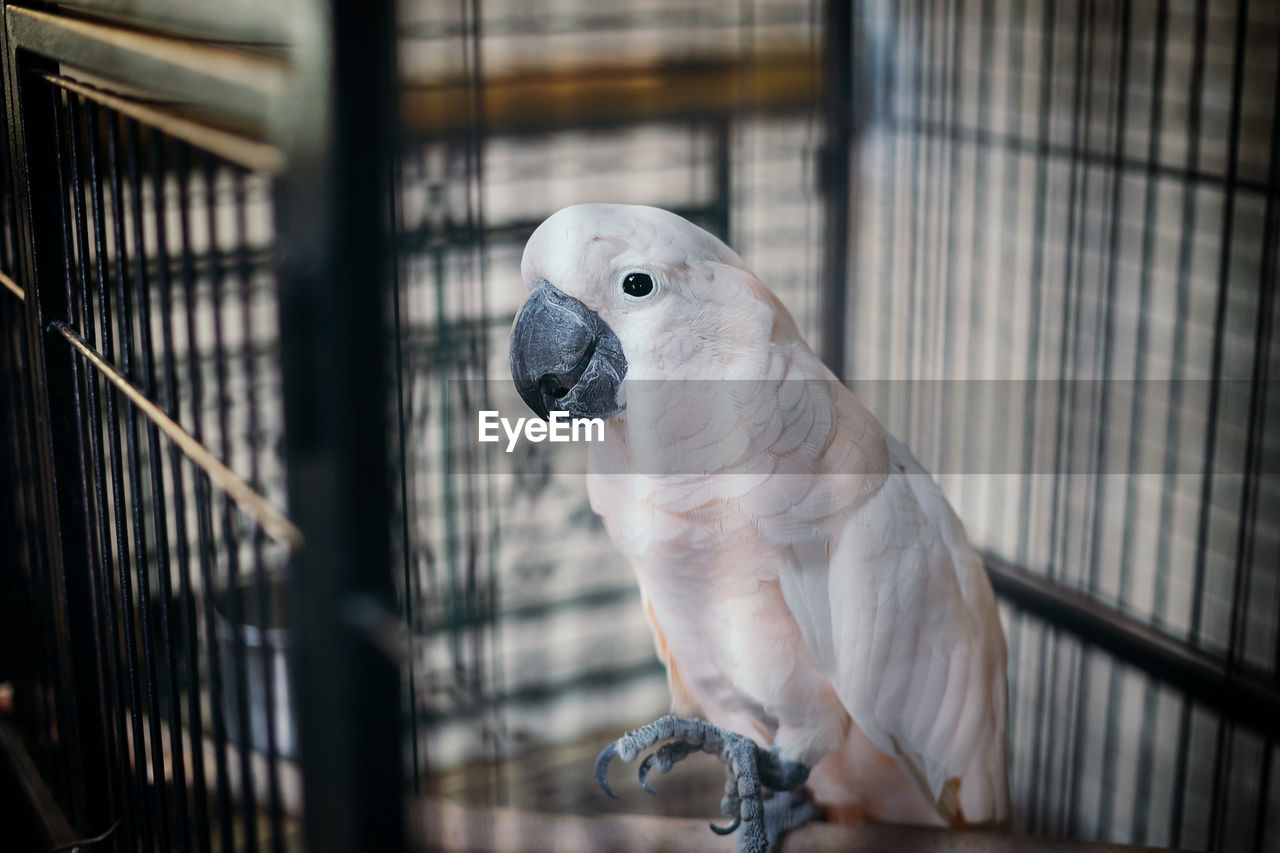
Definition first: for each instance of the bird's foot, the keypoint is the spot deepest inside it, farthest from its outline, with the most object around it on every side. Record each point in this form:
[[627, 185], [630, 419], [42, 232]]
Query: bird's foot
[[786, 810], [750, 770]]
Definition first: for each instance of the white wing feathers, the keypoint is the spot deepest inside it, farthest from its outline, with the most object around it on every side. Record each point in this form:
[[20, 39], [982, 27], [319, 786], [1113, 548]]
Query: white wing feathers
[[904, 623]]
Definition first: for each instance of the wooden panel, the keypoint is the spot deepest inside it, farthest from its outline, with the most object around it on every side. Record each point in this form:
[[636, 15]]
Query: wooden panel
[[538, 99]]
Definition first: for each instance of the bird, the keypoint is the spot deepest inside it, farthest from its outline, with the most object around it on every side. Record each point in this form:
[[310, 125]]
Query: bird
[[826, 626]]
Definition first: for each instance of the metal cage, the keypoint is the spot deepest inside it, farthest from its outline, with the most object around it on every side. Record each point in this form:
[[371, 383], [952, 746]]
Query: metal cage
[[158, 339], [260, 589]]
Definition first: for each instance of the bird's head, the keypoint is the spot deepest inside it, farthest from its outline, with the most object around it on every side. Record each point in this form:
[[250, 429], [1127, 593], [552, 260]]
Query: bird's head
[[626, 291]]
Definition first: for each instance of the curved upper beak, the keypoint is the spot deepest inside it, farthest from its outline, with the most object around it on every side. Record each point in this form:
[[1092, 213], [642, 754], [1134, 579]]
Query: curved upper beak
[[565, 358]]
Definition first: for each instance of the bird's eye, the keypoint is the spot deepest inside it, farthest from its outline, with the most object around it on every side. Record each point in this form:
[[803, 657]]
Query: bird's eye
[[637, 284]]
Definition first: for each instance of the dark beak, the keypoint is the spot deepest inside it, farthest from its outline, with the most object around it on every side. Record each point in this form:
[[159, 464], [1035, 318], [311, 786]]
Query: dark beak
[[565, 358]]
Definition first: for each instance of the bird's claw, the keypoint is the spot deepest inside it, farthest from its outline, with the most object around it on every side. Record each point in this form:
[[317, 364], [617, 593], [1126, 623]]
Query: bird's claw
[[602, 766], [750, 769], [728, 828], [665, 757]]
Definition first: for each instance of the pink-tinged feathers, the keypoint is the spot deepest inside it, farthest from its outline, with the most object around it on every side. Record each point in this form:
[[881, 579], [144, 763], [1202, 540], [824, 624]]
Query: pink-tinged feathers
[[806, 580]]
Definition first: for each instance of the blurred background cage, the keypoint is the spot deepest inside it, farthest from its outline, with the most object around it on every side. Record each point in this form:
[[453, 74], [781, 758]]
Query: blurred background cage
[[252, 598]]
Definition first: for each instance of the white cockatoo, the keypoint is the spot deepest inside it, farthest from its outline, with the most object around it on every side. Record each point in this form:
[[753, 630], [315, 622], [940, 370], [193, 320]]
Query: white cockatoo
[[811, 592]]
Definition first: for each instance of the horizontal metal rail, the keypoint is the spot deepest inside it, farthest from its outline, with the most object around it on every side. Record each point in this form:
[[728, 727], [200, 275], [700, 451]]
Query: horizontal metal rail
[[259, 21], [251, 154], [1243, 696], [254, 505], [1014, 143], [230, 83]]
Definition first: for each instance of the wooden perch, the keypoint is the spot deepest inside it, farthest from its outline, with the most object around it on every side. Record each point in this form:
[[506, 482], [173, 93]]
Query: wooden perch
[[446, 826]]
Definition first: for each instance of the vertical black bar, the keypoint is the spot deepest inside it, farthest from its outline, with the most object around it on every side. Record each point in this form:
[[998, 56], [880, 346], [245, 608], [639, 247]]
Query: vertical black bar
[[404, 416], [52, 375], [73, 531], [1058, 514], [332, 218], [102, 550], [1044, 109], [1216, 799], [950, 363], [941, 300], [722, 132], [1220, 316], [447, 472], [1068, 413], [1155, 127], [245, 271], [29, 690], [1273, 238], [124, 318], [1264, 787], [834, 179], [918, 142], [1259, 385], [1073, 280], [31, 704], [1102, 425], [8, 215], [1186, 240], [155, 460], [204, 517], [187, 607], [1045, 738], [978, 215], [476, 356], [891, 125], [127, 634], [239, 682], [1044, 106], [1008, 253]]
